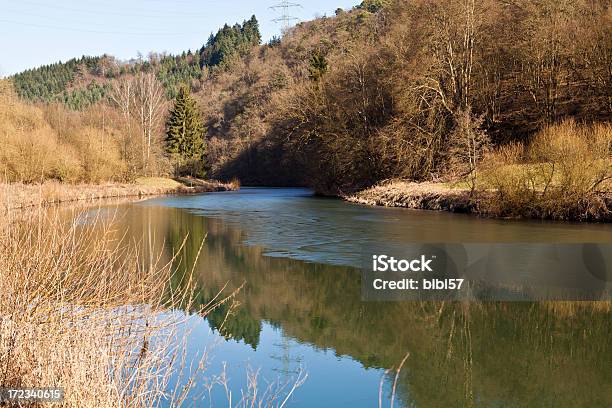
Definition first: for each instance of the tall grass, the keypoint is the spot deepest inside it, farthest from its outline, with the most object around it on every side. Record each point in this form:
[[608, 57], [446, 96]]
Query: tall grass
[[565, 173], [84, 311]]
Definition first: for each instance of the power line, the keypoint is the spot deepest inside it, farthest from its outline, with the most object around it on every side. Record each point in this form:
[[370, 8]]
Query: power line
[[62, 24], [123, 12], [285, 18], [78, 30]]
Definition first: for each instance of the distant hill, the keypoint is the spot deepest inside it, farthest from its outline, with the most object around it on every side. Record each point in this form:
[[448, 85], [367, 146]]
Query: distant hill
[[81, 82]]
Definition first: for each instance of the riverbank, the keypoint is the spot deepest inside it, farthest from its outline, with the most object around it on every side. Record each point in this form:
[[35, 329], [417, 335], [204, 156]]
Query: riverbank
[[19, 195], [418, 196], [455, 198]]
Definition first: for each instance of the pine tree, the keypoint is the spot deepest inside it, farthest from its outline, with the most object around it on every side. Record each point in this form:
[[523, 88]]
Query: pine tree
[[185, 135], [251, 31], [317, 66], [230, 42]]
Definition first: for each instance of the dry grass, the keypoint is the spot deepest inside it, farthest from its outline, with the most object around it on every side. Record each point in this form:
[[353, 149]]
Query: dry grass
[[19, 195], [87, 311], [158, 182], [564, 173], [235, 183], [425, 196], [84, 311]]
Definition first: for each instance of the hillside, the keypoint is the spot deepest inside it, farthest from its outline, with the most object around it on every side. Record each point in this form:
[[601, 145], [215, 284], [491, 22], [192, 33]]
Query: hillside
[[415, 89], [410, 89], [82, 82]]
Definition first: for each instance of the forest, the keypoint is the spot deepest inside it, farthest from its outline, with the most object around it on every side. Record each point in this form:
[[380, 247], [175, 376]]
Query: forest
[[419, 90]]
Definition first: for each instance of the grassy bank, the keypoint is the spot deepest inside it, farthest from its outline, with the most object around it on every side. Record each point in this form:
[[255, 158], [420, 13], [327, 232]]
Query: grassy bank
[[564, 173], [19, 195], [459, 199], [422, 196]]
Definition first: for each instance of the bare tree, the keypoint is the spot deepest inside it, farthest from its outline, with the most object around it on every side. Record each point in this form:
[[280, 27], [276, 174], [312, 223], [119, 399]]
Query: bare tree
[[544, 66], [122, 95], [141, 99], [459, 25], [149, 104]]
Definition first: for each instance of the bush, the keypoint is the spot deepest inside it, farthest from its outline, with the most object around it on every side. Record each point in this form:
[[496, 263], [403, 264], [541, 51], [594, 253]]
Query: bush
[[31, 151], [99, 155], [372, 5], [564, 173]]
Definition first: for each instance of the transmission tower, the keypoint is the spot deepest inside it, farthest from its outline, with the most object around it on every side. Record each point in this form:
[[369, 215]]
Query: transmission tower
[[284, 7]]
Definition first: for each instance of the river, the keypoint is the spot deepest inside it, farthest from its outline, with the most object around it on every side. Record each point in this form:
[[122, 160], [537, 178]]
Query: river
[[301, 310]]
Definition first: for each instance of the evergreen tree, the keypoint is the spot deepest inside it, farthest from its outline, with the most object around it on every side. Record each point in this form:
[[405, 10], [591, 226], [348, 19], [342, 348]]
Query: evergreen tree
[[230, 42], [50, 83], [185, 135], [317, 66], [251, 31], [372, 5]]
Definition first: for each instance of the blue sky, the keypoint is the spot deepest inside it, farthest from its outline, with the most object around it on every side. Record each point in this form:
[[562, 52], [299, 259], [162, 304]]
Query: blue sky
[[37, 32]]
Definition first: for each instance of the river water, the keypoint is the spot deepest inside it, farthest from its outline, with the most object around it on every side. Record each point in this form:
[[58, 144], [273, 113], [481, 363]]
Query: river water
[[301, 310]]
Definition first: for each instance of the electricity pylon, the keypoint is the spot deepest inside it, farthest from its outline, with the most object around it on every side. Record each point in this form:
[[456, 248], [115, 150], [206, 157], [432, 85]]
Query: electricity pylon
[[285, 18]]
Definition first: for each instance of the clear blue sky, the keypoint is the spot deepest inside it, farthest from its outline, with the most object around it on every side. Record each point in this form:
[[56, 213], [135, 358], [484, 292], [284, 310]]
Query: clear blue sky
[[37, 32]]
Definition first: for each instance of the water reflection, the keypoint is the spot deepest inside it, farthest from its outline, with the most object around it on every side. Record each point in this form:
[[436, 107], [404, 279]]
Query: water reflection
[[295, 312]]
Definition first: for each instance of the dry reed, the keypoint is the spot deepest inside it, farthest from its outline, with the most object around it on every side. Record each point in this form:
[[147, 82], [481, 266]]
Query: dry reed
[[84, 311], [20, 195], [89, 311]]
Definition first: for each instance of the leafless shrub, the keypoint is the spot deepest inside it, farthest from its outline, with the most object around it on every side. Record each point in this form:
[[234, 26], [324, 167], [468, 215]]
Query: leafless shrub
[[468, 143], [564, 173]]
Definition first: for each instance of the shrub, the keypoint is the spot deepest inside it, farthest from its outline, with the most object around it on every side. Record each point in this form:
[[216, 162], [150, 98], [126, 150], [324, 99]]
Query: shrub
[[372, 5], [564, 173], [31, 151]]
